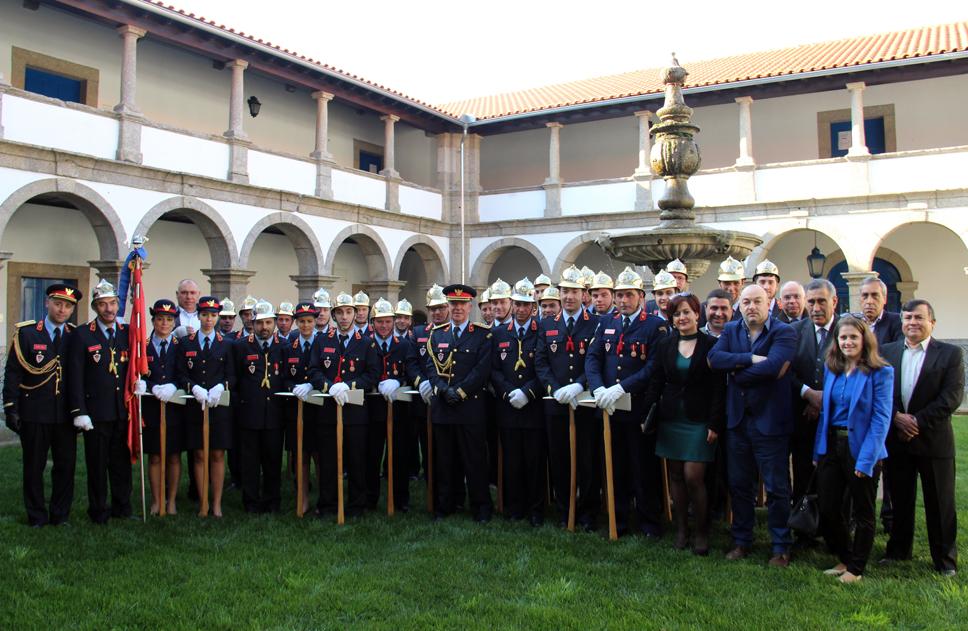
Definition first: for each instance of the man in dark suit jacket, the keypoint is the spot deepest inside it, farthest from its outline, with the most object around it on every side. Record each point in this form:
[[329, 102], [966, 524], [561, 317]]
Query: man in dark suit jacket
[[757, 353], [96, 368], [929, 384], [806, 375], [792, 301]]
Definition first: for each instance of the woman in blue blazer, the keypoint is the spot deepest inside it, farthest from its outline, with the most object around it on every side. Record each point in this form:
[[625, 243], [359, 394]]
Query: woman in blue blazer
[[858, 393]]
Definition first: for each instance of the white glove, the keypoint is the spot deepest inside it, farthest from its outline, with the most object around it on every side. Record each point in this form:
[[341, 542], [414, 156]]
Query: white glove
[[569, 394], [164, 392], [140, 387], [83, 422], [426, 391], [609, 397], [388, 388], [517, 399], [200, 394], [340, 392], [302, 391], [214, 394]]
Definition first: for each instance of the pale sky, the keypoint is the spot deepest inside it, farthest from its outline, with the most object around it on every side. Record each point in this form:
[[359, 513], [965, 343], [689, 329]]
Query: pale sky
[[440, 51]]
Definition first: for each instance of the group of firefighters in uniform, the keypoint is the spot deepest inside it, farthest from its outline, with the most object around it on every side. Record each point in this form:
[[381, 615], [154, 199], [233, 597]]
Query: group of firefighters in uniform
[[497, 394]]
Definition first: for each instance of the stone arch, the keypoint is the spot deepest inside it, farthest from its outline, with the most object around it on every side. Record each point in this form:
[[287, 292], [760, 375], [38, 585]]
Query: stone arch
[[892, 257], [300, 234], [214, 228], [900, 225], [107, 225], [572, 250], [374, 251], [772, 238], [429, 251], [486, 260]]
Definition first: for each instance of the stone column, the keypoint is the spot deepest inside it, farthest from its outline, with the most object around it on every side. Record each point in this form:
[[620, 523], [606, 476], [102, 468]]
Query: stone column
[[642, 176], [109, 270], [3, 84], [858, 142], [389, 165], [322, 156], [552, 185], [129, 116], [306, 285], [231, 281], [745, 158], [854, 281], [238, 141], [906, 288], [384, 289]]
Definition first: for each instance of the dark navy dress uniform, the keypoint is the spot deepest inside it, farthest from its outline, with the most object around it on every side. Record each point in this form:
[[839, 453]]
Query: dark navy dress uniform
[[162, 370], [394, 364], [358, 365], [96, 369], [560, 361], [206, 368], [459, 370], [296, 371], [418, 409], [626, 358], [259, 367], [522, 430], [35, 393]]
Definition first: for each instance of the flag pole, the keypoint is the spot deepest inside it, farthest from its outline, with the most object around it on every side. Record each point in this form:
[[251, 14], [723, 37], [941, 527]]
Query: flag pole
[[141, 445]]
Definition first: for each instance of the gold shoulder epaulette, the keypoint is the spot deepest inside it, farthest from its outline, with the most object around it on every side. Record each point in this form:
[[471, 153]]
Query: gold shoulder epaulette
[[440, 326], [70, 327], [25, 323], [483, 325]]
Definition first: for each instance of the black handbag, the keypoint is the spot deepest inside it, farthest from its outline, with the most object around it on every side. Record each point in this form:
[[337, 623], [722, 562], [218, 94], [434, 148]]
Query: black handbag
[[805, 516], [649, 424]]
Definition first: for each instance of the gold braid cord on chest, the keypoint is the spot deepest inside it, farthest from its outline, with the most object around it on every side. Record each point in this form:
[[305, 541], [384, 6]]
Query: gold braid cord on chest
[[445, 368], [51, 369]]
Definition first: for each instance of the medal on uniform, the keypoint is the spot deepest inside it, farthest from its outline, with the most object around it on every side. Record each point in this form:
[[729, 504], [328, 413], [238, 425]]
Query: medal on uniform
[[327, 363], [292, 371], [97, 358], [633, 353], [504, 355], [252, 369], [190, 364], [581, 347], [352, 366], [40, 357], [423, 351], [608, 345], [440, 355], [554, 347]]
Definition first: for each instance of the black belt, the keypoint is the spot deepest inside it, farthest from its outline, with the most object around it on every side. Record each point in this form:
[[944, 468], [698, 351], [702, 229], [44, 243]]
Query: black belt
[[837, 431]]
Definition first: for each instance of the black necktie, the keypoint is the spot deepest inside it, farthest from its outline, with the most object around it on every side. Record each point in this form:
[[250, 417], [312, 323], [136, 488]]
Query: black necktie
[[265, 347], [823, 338], [205, 345], [306, 347], [57, 336], [163, 350], [520, 332], [457, 333], [571, 326], [342, 340], [111, 336], [386, 347], [625, 324]]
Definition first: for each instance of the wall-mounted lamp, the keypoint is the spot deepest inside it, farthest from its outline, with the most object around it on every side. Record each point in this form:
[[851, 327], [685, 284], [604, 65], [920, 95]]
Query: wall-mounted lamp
[[254, 106]]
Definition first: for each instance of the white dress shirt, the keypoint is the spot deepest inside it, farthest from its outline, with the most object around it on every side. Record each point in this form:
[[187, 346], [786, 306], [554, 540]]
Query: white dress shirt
[[912, 360]]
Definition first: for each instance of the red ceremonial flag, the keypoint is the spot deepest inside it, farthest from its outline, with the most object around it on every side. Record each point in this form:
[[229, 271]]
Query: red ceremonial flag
[[137, 357]]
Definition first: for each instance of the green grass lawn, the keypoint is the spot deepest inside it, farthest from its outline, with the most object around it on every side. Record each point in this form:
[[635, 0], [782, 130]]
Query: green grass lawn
[[277, 572]]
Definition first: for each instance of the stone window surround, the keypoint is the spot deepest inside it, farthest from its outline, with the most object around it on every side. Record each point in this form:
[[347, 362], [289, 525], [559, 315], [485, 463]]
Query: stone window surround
[[825, 119], [369, 147], [22, 58], [16, 271]]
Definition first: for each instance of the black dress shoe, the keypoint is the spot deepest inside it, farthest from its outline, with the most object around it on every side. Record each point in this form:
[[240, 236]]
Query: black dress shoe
[[948, 573], [39, 524]]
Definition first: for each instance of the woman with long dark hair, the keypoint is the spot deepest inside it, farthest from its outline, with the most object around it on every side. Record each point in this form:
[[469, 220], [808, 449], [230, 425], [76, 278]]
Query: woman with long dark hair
[[858, 393], [691, 401]]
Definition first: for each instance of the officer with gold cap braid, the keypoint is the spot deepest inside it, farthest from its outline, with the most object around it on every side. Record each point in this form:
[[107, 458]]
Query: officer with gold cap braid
[[342, 360], [296, 380], [767, 276], [438, 310], [458, 363], [620, 362], [35, 406], [204, 369], [520, 417], [562, 346], [395, 371], [258, 361], [97, 366]]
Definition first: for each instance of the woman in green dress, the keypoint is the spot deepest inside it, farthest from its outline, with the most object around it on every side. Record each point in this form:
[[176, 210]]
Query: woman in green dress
[[691, 409]]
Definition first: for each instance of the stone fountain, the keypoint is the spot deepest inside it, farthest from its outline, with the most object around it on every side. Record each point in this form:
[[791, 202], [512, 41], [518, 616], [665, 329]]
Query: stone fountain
[[675, 157]]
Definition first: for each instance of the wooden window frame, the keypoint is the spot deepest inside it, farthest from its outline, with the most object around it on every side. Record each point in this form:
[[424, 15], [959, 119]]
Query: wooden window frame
[[825, 119], [21, 59], [17, 271]]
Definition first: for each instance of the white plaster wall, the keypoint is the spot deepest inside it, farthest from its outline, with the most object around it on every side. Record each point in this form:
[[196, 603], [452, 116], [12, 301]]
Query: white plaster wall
[[273, 260], [183, 153], [350, 265], [513, 265], [272, 171], [505, 206], [515, 159], [938, 259], [49, 125], [175, 251]]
